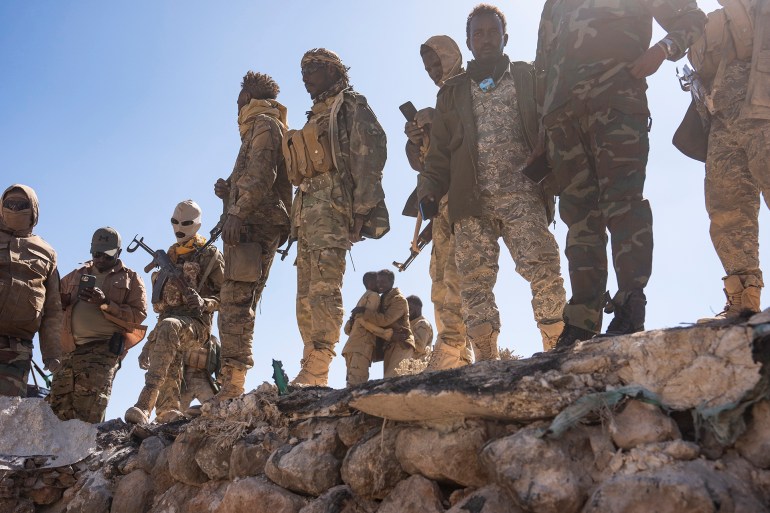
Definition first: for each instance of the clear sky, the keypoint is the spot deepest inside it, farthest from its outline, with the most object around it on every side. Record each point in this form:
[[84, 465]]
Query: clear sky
[[116, 111]]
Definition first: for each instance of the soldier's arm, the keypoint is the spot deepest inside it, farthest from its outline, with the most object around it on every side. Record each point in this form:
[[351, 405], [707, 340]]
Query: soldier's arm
[[134, 310], [434, 179], [683, 21], [368, 153], [263, 154], [51, 325], [423, 335], [391, 313], [215, 280], [413, 156]]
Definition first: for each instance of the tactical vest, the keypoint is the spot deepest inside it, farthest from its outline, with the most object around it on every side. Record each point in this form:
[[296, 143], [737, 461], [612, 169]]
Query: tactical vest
[[734, 21], [308, 151]]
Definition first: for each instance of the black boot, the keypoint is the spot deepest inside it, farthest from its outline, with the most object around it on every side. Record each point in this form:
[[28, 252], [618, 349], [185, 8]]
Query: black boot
[[570, 336], [629, 309]]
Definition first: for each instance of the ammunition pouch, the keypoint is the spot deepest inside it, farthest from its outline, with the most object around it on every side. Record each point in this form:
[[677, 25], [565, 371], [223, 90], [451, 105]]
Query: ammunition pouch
[[197, 358], [308, 152], [243, 262]]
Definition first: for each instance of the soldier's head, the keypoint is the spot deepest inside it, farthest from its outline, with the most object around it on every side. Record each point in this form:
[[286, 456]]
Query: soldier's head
[[257, 86], [442, 58], [385, 280], [370, 281], [486, 33], [415, 307], [322, 71], [186, 221], [105, 248], [19, 212]]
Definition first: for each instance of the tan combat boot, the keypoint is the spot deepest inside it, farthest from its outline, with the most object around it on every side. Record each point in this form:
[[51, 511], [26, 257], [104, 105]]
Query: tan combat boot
[[445, 356], [550, 333], [485, 347], [315, 368], [140, 412], [742, 296], [233, 383]]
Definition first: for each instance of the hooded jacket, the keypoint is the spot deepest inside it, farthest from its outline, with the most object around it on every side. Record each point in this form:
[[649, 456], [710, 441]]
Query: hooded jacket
[[29, 284]]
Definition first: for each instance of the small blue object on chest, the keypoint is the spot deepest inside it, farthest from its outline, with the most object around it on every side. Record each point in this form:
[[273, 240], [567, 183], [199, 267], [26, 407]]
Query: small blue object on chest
[[487, 84]]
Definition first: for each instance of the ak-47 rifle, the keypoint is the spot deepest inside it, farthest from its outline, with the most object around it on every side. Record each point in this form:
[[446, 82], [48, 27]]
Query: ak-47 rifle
[[285, 252], [423, 239], [691, 82], [168, 271]]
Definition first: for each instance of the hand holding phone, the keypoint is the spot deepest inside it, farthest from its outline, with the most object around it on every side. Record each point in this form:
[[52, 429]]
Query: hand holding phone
[[87, 281]]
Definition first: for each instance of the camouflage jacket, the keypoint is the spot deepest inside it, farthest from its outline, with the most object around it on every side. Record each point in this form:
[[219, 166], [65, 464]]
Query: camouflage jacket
[[585, 46], [260, 192], [393, 313], [451, 165], [423, 335]]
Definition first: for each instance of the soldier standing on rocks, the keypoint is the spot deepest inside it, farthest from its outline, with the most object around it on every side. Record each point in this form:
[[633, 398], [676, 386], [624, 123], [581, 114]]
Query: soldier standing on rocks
[[484, 128], [104, 307], [257, 203], [29, 292], [421, 328], [592, 60], [443, 60], [185, 316], [336, 161]]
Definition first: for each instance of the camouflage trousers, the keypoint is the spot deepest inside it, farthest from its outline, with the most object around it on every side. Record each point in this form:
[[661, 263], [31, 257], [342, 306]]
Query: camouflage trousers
[[82, 386], [359, 353], [238, 303], [179, 391], [520, 219], [599, 158], [319, 296], [445, 289], [15, 360], [737, 171]]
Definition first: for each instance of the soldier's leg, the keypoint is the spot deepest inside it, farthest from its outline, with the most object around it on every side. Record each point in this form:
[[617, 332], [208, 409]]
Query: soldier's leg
[[15, 358], [170, 391], [197, 386], [62, 388], [438, 258], [536, 254], [93, 367], [358, 353], [476, 253], [395, 353], [304, 318]]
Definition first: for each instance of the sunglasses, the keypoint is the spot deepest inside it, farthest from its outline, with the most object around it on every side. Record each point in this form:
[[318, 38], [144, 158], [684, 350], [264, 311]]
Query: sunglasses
[[99, 255], [16, 204]]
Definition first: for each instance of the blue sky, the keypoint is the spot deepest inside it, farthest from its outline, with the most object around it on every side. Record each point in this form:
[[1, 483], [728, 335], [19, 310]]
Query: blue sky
[[116, 111]]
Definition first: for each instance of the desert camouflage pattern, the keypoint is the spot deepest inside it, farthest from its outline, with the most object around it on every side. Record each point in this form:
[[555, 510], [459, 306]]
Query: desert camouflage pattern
[[319, 296], [423, 336], [239, 299], [585, 46], [512, 208], [737, 167], [15, 358]]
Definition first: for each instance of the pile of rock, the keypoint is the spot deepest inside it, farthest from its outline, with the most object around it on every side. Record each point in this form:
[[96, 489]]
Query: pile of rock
[[667, 421]]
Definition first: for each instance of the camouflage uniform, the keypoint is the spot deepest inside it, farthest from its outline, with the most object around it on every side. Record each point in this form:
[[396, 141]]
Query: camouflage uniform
[[29, 301], [323, 216], [423, 336], [596, 118]]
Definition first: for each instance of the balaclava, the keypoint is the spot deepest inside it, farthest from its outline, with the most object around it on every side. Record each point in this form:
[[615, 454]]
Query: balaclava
[[186, 220]]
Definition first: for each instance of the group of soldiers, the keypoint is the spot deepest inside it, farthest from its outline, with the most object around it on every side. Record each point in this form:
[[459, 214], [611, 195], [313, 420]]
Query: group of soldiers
[[505, 137]]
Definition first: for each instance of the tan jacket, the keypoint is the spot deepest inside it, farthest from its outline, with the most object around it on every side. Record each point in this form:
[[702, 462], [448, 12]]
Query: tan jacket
[[423, 335], [393, 313], [127, 307], [29, 285]]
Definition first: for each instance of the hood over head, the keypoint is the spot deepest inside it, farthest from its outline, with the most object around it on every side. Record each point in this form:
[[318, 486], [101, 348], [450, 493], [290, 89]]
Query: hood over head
[[449, 53], [32, 196]]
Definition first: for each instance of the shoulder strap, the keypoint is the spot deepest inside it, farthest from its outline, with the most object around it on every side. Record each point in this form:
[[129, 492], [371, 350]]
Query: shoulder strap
[[208, 270]]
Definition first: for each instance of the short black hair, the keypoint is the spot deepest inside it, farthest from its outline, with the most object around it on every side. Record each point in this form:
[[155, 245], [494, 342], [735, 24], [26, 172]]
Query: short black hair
[[371, 275], [485, 9], [389, 274], [260, 86], [414, 299]]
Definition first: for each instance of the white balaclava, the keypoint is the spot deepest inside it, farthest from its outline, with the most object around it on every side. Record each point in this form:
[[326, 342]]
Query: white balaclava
[[186, 221]]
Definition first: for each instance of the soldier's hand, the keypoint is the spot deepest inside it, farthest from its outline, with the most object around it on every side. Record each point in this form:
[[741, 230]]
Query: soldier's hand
[[400, 335], [357, 310], [424, 117], [648, 63], [144, 360], [413, 132], [194, 301], [51, 364], [231, 230], [355, 233], [94, 296], [222, 188]]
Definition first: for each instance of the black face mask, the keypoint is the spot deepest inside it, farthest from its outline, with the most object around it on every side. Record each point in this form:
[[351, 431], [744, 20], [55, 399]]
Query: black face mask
[[479, 72]]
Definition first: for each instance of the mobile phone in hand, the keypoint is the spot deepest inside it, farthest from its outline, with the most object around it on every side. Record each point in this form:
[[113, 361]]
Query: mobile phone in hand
[[87, 281], [408, 110]]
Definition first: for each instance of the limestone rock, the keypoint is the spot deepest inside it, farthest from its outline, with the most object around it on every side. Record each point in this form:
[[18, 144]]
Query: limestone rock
[[42, 494], [148, 453], [351, 429], [371, 468], [248, 458], [257, 495], [94, 496], [174, 499], [754, 444], [450, 457], [490, 499], [132, 493], [641, 423], [311, 467], [213, 458], [161, 476], [413, 495], [541, 475], [651, 457], [181, 459], [340, 499], [208, 498]]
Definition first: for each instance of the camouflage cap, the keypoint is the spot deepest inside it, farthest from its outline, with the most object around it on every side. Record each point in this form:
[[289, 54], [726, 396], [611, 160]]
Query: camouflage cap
[[105, 240]]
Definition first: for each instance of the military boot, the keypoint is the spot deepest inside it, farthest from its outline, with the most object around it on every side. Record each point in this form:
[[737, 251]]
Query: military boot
[[140, 412], [315, 368], [629, 309], [485, 347], [570, 336], [233, 382], [445, 356], [743, 294], [550, 333]]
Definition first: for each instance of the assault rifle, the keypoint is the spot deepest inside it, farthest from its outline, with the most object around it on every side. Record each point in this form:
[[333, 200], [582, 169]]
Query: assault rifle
[[168, 271], [285, 252], [423, 239], [690, 81]]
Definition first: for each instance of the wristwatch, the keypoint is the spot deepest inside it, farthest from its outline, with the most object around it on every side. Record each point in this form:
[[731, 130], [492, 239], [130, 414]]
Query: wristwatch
[[669, 47]]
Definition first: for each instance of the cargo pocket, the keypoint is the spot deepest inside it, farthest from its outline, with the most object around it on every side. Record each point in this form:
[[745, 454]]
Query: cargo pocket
[[243, 262]]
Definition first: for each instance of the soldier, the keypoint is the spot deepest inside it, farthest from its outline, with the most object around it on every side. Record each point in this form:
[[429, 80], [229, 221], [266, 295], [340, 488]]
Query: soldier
[[104, 307], [336, 160], [442, 59], [592, 60], [257, 199], [29, 292], [737, 104], [393, 315], [185, 316], [421, 328], [483, 131]]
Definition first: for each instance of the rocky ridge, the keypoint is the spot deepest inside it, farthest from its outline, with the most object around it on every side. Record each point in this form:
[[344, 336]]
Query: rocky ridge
[[669, 421]]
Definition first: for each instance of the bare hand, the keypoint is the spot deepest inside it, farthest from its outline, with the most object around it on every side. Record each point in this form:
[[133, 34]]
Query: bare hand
[[231, 231], [194, 301], [222, 188], [94, 296], [648, 63], [424, 117], [413, 132], [355, 233]]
